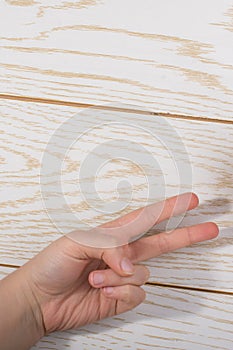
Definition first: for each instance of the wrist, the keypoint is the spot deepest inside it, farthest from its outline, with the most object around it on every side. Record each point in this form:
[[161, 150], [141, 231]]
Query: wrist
[[33, 308], [22, 315]]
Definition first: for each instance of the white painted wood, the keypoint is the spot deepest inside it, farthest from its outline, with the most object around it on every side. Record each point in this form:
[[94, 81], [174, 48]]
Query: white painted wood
[[4, 271], [26, 228], [172, 56], [168, 319]]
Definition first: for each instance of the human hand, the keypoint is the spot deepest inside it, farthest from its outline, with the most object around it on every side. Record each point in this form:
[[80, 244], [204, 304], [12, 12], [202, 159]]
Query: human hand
[[62, 277]]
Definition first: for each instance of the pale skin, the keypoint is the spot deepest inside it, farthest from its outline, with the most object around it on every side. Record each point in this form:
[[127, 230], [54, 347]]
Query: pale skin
[[69, 284]]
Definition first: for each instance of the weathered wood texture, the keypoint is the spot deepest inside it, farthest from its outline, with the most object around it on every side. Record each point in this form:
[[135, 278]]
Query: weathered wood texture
[[168, 319], [26, 228], [173, 57], [166, 56]]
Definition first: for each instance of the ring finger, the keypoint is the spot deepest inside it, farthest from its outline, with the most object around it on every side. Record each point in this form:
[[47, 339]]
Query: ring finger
[[105, 278]]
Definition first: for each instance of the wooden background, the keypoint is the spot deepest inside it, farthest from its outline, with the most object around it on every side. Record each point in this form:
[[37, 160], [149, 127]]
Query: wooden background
[[170, 58]]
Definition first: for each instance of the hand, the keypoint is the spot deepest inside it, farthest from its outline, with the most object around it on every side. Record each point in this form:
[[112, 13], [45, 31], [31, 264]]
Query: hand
[[76, 284]]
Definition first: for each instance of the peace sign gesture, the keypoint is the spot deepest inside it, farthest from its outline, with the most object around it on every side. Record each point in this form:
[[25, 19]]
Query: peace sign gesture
[[78, 283], [86, 276]]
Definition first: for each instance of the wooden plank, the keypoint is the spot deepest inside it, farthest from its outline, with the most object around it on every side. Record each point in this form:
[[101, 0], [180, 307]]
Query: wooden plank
[[165, 56], [4, 271], [168, 319], [26, 228]]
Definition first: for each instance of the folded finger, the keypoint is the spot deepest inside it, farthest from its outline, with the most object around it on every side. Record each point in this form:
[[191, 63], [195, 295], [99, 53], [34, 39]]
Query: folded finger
[[127, 297], [103, 278]]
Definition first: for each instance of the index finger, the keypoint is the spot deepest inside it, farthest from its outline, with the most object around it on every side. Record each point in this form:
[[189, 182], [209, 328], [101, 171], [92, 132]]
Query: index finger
[[127, 228], [141, 220]]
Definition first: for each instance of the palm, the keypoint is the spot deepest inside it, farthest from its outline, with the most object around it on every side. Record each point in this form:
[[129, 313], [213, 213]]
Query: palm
[[68, 288], [63, 272]]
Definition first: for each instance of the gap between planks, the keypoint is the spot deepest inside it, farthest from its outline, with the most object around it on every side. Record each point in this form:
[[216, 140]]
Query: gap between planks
[[111, 108], [162, 285]]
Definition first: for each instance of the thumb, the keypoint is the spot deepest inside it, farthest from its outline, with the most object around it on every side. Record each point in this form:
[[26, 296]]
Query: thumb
[[89, 245]]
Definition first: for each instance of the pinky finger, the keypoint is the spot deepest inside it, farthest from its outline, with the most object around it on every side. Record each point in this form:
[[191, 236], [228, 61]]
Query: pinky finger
[[127, 297]]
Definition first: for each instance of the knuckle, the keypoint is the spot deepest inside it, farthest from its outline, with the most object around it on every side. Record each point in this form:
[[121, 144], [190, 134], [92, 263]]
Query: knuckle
[[143, 295], [114, 241], [147, 273], [144, 274], [127, 293], [163, 243], [151, 216], [109, 238], [189, 236]]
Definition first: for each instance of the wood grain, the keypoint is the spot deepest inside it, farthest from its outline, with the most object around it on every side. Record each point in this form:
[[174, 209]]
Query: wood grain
[[26, 228], [164, 56], [168, 319]]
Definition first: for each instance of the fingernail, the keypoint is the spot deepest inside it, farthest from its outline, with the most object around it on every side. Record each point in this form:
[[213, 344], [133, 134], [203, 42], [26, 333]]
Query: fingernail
[[108, 290], [127, 266], [98, 278]]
